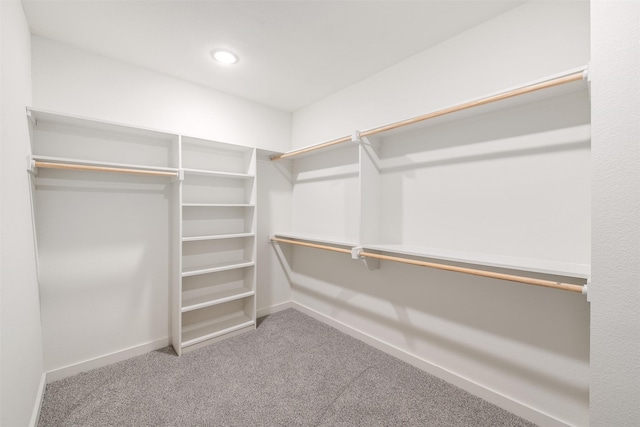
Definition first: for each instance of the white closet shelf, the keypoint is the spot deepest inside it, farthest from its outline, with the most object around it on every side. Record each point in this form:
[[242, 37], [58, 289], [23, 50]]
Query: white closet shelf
[[218, 205], [557, 268], [214, 298], [213, 268], [218, 237], [562, 83], [83, 162], [326, 240], [195, 143], [203, 331], [40, 116], [218, 174], [501, 104]]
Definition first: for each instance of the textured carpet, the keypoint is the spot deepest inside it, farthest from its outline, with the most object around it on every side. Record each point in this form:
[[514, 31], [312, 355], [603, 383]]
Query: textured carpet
[[291, 371]]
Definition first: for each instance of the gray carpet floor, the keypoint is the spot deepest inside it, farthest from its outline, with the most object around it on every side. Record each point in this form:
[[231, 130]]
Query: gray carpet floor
[[291, 371]]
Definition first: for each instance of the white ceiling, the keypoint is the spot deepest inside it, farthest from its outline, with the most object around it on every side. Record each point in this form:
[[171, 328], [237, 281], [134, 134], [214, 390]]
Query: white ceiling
[[292, 53]]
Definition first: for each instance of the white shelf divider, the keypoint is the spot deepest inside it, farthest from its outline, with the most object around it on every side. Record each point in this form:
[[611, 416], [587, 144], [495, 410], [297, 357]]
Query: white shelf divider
[[565, 269], [218, 205], [218, 174], [189, 304], [204, 331], [556, 268], [52, 159], [326, 240], [213, 268], [218, 237]]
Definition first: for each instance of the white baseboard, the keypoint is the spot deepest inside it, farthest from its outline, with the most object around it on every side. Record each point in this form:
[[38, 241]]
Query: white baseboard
[[492, 396], [35, 414], [273, 309], [98, 362], [108, 359]]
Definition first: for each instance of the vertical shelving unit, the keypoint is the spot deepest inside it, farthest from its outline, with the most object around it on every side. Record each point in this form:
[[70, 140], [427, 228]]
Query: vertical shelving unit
[[212, 190], [215, 292], [102, 196]]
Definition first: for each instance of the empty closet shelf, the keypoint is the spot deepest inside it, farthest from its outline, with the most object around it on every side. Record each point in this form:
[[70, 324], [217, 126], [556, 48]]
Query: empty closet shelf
[[433, 258], [480, 271], [214, 298], [217, 205], [218, 174], [556, 268], [218, 237], [324, 240], [212, 268], [96, 166], [311, 245], [547, 87], [203, 331]]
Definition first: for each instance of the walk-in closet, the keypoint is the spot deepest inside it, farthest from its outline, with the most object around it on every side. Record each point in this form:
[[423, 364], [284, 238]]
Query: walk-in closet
[[320, 213]]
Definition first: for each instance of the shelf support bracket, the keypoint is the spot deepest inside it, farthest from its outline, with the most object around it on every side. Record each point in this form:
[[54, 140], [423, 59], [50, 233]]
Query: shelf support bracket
[[586, 75], [30, 117], [179, 176], [355, 137], [371, 263], [31, 166], [358, 139], [585, 289]]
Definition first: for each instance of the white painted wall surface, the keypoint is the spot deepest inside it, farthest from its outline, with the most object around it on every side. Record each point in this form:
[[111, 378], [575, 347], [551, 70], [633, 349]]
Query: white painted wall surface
[[524, 348], [72, 81], [326, 201], [514, 182], [526, 43], [21, 348], [615, 293], [274, 213], [103, 242]]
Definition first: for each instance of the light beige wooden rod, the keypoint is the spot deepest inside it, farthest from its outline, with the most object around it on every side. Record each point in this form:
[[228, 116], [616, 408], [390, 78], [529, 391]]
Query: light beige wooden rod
[[312, 148], [312, 245], [472, 271], [500, 276], [102, 169], [483, 101]]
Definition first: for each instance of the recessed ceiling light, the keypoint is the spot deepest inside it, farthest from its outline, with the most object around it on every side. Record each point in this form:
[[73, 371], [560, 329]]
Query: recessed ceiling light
[[224, 57]]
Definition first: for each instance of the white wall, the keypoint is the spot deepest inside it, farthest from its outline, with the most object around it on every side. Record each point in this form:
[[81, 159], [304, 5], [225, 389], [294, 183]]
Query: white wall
[[21, 349], [103, 244], [72, 81], [524, 348], [529, 42], [615, 296], [274, 213]]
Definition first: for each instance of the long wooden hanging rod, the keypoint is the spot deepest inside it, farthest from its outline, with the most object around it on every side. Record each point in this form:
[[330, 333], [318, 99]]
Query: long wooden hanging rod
[[483, 101], [311, 245], [69, 166], [475, 272], [464, 270]]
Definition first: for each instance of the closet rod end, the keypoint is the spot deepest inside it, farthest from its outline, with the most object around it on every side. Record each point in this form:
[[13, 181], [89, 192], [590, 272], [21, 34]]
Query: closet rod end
[[31, 166], [355, 137], [585, 289]]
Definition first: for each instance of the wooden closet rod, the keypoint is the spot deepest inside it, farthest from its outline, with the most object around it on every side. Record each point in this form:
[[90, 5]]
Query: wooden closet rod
[[500, 276], [464, 270], [101, 169], [483, 101], [312, 245]]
